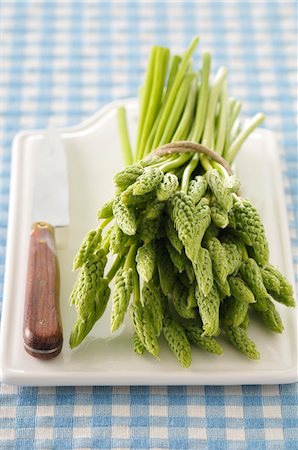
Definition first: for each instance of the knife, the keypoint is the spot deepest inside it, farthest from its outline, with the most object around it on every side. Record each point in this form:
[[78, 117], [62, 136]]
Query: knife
[[42, 325]]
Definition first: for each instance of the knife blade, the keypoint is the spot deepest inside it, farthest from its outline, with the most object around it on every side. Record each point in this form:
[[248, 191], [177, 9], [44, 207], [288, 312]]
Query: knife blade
[[42, 325]]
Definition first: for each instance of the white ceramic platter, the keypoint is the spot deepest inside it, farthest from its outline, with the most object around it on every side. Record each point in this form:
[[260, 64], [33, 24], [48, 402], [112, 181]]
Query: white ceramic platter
[[94, 155]]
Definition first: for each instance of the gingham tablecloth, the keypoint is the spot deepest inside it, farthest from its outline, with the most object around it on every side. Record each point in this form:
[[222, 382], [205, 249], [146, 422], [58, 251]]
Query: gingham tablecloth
[[67, 59]]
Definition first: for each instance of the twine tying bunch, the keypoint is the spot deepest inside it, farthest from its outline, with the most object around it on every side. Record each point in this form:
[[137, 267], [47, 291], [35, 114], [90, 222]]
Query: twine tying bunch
[[192, 147]]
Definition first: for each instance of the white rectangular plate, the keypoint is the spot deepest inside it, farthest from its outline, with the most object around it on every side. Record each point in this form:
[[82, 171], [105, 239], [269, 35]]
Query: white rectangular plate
[[94, 155]]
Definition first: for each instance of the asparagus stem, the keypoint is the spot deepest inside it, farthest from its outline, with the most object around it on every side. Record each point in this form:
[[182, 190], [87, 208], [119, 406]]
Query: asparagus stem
[[235, 112], [234, 108], [105, 222], [130, 258], [235, 131], [206, 163], [245, 256], [160, 67], [173, 92], [116, 265], [208, 134], [175, 163], [188, 171], [176, 112], [187, 116], [172, 75], [236, 145], [220, 168], [146, 92], [222, 121], [106, 244], [165, 160], [199, 120], [173, 71], [124, 137]]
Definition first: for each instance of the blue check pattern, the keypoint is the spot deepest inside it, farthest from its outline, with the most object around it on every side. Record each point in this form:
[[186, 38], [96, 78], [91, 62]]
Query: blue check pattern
[[67, 59]]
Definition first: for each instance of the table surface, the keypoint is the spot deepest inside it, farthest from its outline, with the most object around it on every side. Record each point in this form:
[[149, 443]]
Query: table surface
[[68, 59]]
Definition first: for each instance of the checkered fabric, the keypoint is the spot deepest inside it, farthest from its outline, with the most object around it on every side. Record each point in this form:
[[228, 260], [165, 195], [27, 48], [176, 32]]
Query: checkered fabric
[[67, 59]]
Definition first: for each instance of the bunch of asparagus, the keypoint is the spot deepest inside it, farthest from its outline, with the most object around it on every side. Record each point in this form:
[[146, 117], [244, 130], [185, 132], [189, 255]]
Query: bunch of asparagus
[[191, 259]]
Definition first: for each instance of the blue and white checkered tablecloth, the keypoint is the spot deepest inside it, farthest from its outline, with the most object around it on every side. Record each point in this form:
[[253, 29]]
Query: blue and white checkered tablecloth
[[67, 59]]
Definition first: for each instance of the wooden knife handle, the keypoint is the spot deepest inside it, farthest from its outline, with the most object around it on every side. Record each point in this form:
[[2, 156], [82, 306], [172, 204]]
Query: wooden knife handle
[[42, 327]]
